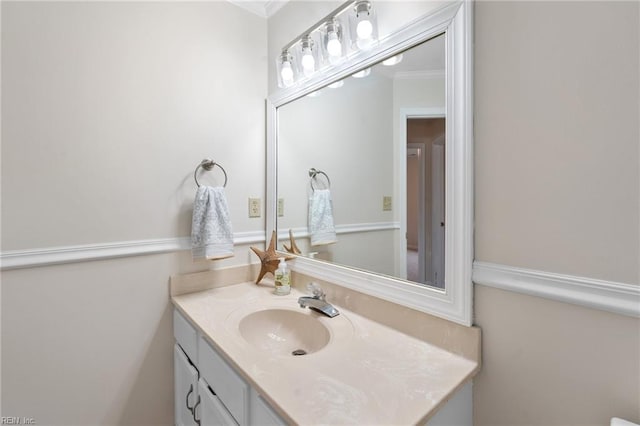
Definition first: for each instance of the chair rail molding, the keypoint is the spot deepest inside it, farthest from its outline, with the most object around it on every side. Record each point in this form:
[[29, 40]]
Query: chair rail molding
[[29, 258], [619, 298]]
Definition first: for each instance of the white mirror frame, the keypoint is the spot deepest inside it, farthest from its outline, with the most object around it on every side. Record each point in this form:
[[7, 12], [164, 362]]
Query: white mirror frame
[[455, 302]]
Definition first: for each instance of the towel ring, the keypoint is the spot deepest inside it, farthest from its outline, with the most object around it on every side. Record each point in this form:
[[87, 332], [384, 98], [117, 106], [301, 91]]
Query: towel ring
[[313, 173], [208, 164]]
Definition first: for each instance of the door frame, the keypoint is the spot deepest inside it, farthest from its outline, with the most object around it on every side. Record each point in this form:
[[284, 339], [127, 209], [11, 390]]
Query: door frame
[[401, 166], [422, 246]]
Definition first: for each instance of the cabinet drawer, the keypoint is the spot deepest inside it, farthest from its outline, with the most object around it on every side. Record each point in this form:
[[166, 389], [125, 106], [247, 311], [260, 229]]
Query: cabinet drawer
[[232, 390], [186, 336]]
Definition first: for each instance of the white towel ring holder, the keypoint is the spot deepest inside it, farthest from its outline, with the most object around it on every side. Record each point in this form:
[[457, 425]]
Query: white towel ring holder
[[208, 164], [313, 173]]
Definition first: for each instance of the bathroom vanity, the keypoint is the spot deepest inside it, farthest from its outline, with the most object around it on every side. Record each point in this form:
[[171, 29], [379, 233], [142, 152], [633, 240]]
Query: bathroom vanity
[[402, 350], [234, 361]]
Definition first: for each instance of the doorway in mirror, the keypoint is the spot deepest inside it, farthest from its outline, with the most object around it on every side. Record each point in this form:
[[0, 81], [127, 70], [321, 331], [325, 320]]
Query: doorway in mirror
[[425, 166]]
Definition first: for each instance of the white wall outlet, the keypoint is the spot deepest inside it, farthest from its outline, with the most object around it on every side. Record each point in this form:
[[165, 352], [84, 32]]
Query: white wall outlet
[[387, 203], [254, 207], [280, 207]]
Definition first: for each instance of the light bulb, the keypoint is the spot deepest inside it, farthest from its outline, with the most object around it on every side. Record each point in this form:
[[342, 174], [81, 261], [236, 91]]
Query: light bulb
[[337, 84], [286, 72], [334, 47], [308, 62], [364, 29]]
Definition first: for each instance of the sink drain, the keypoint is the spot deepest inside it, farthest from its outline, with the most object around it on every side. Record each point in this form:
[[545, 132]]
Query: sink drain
[[299, 352]]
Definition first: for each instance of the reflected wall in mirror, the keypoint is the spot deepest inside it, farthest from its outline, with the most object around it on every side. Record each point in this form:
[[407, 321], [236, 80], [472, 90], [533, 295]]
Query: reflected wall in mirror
[[379, 136]]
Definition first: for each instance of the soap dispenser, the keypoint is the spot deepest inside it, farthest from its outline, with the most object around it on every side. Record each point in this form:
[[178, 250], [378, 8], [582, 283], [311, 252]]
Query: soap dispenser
[[283, 279]]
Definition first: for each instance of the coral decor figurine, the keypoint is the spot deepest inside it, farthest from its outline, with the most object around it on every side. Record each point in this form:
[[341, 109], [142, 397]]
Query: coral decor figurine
[[292, 248], [269, 258]]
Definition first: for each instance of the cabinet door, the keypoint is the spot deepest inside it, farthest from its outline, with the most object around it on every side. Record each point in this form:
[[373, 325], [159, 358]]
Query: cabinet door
[[210, 410], [186, 388]]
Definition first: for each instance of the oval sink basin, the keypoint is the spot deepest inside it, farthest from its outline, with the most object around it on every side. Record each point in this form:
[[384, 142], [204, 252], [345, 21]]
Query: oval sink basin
[[283, 332]]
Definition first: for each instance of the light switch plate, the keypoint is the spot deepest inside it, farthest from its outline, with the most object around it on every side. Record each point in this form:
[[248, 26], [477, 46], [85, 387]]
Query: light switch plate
[[254, 207], [387, 203], [280, 207]]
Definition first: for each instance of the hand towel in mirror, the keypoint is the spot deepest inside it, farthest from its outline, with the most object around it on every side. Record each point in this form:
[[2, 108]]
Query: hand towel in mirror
[[321, 225]]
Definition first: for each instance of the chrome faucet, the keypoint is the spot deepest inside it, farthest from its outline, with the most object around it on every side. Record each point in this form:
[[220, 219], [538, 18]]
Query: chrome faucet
[[318, 302]]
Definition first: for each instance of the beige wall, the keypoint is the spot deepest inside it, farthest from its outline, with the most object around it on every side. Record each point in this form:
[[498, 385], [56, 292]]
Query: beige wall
[[107, 108], [550, 363], [557, 138], [89, 343]]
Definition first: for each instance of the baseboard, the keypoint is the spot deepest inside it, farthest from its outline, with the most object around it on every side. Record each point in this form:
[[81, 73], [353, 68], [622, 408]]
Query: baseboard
[[619, 298]]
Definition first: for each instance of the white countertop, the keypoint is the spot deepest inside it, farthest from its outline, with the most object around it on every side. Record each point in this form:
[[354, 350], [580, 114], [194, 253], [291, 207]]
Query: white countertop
[[367, 374]]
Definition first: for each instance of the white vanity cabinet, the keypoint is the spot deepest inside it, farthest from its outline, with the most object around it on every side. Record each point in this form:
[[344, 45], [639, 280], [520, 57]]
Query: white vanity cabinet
[[208, 391]]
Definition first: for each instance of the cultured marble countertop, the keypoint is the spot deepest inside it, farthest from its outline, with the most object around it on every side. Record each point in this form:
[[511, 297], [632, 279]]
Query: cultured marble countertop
[[367, 374]]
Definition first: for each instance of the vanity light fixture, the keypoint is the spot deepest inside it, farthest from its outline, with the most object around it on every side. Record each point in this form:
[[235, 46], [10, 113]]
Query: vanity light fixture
[[362, 74], [394, 60], [346, 30]]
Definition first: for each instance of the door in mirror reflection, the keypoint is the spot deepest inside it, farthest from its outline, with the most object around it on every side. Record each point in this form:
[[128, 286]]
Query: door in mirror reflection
[[425, 200]]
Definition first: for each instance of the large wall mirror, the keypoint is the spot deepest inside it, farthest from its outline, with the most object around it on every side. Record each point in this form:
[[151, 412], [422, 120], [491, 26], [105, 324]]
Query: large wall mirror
[[370, 168]]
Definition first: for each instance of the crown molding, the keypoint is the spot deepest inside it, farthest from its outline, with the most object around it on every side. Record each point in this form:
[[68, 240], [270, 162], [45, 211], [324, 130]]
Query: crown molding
[[262, 8], [272, 6]]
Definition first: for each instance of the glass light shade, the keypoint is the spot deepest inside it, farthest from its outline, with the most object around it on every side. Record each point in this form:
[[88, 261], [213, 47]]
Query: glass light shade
[[364, 26], [286, 70], [307, 51], [334, 40], [337, 84]]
